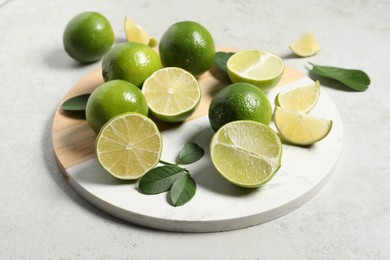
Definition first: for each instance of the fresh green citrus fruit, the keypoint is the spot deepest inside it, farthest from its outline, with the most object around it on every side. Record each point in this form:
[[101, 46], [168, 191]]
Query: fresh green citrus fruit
[[135, 33], [300, 128], [239, 101], [260, 68], [301, 99], [130, 61], [187, 45], [88, 36], [305, 46], [111, 99], [246, 153], [173, 94], [128, 146]]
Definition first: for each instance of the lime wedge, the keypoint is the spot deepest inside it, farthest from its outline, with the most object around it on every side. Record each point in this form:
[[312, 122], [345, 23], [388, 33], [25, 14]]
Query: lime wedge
[[128, 146], [260, 68], [305, 46], [301, 99], [172, 94], [135, 33], [246, 153], [300, 128]]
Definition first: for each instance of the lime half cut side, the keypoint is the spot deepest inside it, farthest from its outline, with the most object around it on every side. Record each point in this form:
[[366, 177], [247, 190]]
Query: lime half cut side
[[172, 94], [300, 128], [301, 99], [135, 33], [246, 153], [128, 146], [260, 68]]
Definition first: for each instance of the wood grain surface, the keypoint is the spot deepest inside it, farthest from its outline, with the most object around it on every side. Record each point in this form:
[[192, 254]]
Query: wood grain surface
[[74, 141]]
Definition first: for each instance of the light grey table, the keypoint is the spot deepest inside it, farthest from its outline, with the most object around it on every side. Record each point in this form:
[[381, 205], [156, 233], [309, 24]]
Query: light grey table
[[42, 217]]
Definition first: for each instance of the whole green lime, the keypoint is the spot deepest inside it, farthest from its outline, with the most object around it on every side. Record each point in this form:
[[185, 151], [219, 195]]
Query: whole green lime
[[88, 36], [239, 101], [130, 61], [111, 99], [187, 45]]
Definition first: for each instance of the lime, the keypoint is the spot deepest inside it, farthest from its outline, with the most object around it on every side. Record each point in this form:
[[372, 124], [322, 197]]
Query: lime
[[301, 99], [300, 128], [111, 99], [246, 153], [239, 101], [305, 46], [260, 68], [173, 94], [135, 33], [128, 146], [130, 61], [88, 36], [187, 45]]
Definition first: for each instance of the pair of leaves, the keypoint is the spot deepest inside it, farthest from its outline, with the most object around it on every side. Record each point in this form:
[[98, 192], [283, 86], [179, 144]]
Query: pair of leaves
[[173, 178], [169, 177]]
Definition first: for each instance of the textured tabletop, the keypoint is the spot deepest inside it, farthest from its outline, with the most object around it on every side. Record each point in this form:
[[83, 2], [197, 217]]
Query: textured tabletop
[[43, 217]]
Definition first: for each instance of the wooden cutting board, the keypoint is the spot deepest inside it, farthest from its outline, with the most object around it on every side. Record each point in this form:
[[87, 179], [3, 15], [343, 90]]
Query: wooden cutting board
[[74, 141]]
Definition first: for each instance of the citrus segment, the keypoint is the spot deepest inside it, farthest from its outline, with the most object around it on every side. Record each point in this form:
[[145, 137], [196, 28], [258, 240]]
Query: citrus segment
[[301, 99], [128, 146], [172, 94], [246, 153], [305, 46], [300, 128], [260, 68], [135, 33]]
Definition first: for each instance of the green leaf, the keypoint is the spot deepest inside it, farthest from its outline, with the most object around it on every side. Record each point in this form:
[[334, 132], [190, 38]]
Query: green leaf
[[221, 59], [159, 179], [77, 103], [190, 153], [354, 79], [183, 189]]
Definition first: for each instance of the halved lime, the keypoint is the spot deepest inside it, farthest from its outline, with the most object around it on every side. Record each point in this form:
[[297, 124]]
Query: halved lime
[[305, 46], [172, 94], [260, 68], [301, 99], [246, 153], [135, 33], [128, 146], [300, 128]]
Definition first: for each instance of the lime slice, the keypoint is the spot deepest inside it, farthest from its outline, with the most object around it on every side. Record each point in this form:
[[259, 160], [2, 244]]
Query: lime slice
[[172, 94], [246, 153], [260, 68], [135, 33], [301, 99], [300, 128], [305, 46], [128, 146]]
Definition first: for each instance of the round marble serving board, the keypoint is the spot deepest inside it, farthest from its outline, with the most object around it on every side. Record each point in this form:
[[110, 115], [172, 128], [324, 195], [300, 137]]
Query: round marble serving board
[[217, 204]]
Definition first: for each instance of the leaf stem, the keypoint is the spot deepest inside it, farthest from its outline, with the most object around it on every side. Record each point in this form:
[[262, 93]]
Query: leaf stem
[[167, 163]]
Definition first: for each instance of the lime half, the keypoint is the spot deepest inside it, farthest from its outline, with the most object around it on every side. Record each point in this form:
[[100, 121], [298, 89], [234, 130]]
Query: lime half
[[301, 99], [128, 146], [300, 128], [246, 153], [260, 68], [172, 94]]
